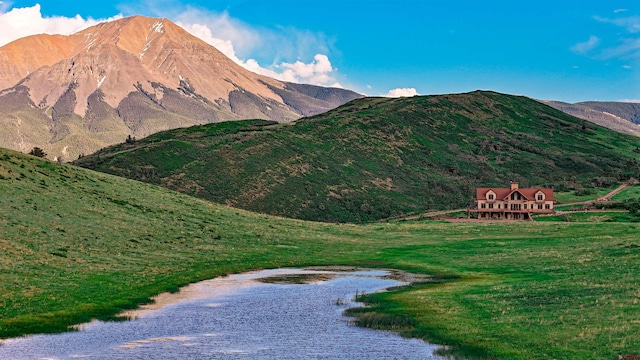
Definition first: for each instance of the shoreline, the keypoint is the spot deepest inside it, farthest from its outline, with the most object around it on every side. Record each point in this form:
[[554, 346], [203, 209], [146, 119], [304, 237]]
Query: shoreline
[[228, 285]]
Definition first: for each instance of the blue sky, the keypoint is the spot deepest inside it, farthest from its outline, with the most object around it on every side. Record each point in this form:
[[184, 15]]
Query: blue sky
[[562, 50]]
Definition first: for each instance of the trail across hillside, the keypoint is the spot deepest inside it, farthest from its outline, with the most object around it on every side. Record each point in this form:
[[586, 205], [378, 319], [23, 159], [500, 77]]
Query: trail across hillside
[[605, 197], [611, 194]]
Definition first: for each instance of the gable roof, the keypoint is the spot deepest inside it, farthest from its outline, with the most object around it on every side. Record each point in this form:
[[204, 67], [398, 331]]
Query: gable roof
[[503, 193]]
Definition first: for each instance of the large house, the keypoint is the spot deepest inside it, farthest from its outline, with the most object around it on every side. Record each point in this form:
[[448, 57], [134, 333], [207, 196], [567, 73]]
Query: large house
[[513, 203]]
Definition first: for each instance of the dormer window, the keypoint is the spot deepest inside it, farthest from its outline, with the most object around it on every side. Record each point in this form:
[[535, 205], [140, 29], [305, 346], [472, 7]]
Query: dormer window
[[540, 196], [490, 196]]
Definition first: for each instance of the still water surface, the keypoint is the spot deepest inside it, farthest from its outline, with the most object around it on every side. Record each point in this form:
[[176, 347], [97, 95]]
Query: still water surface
[[237, 317]]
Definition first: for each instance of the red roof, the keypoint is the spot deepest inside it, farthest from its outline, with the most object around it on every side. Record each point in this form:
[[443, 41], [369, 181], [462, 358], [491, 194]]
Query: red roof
[[504, 193]]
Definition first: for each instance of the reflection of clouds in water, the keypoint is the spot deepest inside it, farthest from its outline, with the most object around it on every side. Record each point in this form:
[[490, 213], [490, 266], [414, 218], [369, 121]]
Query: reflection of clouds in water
[[141, 343], [237, 317]]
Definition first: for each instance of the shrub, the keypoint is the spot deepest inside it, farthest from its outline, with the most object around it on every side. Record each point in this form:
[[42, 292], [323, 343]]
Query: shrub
[[584, 192], [36, 151]]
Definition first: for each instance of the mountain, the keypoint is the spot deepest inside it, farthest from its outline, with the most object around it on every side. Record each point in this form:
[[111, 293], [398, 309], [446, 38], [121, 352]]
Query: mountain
[[74, 94], [619, 116], [625, 110], [376, 157]]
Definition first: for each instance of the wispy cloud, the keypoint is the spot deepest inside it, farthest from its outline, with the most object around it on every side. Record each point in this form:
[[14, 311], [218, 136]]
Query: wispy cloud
[[616, 11], [631, 23], [627, 49], [20, 22], [402, 92], [623, 45], [584, 47]]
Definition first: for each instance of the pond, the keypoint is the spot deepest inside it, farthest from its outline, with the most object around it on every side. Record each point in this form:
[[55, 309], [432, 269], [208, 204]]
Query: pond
[[269, 314]]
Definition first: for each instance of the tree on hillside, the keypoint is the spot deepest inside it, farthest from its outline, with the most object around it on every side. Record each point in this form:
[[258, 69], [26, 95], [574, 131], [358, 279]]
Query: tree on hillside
[[36, 151]]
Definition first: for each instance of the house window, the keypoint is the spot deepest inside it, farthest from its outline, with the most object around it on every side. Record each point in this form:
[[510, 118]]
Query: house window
[[525, 206], [540, 206], [540, 197], [547, 206], [483, 205], [490, 196], [490, 206]]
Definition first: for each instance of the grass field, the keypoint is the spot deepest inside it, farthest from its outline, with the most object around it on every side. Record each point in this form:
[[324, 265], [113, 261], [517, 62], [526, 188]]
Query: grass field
[[632, 192], [589, 194], [78, 244], [592, 217]]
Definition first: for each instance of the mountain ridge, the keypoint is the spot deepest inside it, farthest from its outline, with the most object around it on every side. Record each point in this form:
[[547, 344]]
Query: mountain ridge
[[141, 75], [619, 116]]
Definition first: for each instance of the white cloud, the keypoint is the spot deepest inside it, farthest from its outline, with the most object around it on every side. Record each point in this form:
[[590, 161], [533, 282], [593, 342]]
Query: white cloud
[[20, 22], [627, 67], [402, 92], [620, 10], [318, 71], [628, 43], [631, 23], [630, 100], [626, 49], [584, 47]]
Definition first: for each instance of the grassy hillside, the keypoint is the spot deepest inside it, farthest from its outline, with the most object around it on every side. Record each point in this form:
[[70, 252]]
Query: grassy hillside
[[78, 244], [375, 158]]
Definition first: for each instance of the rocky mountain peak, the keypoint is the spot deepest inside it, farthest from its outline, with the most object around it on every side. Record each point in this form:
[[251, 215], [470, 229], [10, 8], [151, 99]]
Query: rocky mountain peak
[[136, 76]]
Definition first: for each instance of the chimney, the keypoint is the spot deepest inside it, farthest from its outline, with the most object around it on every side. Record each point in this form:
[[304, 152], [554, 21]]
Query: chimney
[[514, 185]]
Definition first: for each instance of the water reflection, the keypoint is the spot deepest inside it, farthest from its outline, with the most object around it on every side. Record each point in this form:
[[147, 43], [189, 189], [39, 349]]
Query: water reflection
[[238, 317]]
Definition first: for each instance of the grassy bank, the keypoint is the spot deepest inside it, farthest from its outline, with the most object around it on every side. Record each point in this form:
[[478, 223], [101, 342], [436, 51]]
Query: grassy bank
[[78, 244], [527, 291], [593, 217]]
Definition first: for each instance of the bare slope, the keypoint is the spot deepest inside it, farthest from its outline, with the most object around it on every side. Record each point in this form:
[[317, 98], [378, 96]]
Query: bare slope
[[618, 116], [134, 76], [374, 158]]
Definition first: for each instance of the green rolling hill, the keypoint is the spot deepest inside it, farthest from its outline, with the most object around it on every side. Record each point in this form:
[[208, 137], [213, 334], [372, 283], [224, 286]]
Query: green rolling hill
[[375, 158]]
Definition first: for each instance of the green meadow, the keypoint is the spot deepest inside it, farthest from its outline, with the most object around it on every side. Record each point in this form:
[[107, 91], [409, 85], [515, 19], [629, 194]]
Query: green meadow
[[78, 245], [632, 192]]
